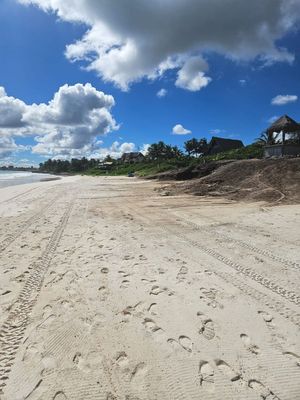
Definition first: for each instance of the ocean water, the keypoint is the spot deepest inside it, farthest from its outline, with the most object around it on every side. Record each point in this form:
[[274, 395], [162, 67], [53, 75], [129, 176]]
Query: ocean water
[[11, 178]]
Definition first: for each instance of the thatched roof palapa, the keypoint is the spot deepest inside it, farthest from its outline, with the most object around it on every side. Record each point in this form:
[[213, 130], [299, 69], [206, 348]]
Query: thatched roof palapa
[[218, 145], [284, 124]]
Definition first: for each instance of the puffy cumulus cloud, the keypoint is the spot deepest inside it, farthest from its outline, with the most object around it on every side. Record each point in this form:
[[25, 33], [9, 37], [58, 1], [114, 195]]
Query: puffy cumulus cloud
[[11, 111], [115, 150], [69, 124], [8, 147], [162, 93], [281, 100], [192, 75], [128, 40], [180, 130]]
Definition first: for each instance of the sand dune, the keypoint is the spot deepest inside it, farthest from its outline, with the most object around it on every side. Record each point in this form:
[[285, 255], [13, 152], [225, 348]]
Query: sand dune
[[110, 291]]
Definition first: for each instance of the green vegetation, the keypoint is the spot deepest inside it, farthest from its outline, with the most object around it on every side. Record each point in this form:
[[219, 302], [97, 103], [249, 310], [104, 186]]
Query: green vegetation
[[196, 147], [160, 158], [144, 168], [254, 150]]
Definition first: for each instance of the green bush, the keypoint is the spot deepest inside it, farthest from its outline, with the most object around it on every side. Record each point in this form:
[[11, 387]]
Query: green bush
[[146, 168]]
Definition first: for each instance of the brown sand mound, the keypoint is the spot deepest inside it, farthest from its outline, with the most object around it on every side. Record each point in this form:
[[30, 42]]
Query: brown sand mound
[[250, 180], [192, 172]]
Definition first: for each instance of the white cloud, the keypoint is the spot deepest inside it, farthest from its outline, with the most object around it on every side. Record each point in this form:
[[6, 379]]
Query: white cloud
[[129, 40], [11, 111], [180, 130], [192, 75], [115, 150], [8, 147], [281, 100], [242, 82], [217, 131], [69, 124], [145, 148], [161, 93]]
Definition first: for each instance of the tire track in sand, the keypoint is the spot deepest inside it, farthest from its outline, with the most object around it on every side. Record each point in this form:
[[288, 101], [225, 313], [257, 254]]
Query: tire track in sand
[[12, 331], [264, 298], [241, 243], [247, 271], [10, 238]]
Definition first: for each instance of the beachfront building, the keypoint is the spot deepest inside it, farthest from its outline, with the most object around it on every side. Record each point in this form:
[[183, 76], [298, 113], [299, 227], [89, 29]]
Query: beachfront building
[[219, 145], [132, 157], [283, 138]]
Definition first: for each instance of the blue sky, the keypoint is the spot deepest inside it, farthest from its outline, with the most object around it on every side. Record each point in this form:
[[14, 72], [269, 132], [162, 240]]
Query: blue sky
[[236, 102]]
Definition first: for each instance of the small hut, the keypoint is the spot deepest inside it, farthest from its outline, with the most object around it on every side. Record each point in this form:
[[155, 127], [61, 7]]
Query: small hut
[[219, 145], [283, 138], [132, 158]]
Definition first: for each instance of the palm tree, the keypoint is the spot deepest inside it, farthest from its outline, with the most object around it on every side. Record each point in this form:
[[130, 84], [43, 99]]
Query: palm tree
[[266, 138]]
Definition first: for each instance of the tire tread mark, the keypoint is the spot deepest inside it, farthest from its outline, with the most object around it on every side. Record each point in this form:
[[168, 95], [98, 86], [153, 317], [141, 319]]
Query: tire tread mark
[[265, 299], [247, 271], [268, 301], [10, 238], [13, 329], [245, 245]]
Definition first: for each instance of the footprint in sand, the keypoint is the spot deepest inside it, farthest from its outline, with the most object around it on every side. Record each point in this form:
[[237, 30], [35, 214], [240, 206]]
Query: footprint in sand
[[181, 276], [122, 359], [49, 363], [248, 344], [183, 342], [186, 343], [206, 374], [88, 363], [226, 370], [292, 356], [60, 396], [264, 392], [138, 372], [209, 296], [104, 270], [156, 290], [207, 328], [151, 326], [48, 318], [31, 352], [266, 316], [125, 284], [175, 345], [152, 309]]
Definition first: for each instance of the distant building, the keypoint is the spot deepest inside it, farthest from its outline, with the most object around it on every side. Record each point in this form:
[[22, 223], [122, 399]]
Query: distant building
[[283, 138], [105, 165], [132, 158], [219, 145]]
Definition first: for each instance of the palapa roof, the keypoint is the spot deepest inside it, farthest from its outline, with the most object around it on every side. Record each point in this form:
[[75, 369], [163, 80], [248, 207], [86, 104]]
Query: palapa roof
[[218, 145], [132, 155], [284, 124]]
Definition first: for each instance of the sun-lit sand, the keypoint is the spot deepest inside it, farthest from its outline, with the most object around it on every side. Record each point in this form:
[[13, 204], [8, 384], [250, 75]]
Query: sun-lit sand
[[109, 290]]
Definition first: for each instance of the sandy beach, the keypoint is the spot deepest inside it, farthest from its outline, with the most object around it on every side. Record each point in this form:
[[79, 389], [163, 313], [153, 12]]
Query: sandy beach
[[109, 290]]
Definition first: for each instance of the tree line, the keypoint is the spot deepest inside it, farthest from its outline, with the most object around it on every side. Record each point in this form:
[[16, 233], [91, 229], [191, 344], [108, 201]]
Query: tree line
[[156, 152]]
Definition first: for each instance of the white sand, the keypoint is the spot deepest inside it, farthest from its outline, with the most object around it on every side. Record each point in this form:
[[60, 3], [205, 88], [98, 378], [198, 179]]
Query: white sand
[[110, 291]]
